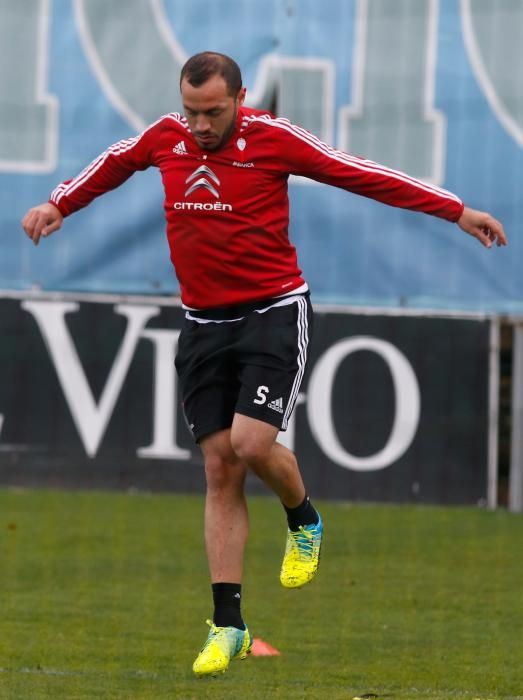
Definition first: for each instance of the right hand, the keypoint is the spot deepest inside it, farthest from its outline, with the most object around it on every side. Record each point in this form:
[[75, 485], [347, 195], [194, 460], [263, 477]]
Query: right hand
[[42, 221]]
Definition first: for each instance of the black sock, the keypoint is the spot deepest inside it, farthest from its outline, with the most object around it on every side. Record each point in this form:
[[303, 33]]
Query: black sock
[[304, 514], [227, 602]]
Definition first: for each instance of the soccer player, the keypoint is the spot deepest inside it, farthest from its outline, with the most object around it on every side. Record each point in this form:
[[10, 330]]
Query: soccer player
[[243, 347]]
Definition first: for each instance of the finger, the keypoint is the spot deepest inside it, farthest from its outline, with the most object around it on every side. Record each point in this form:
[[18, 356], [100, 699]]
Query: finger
[[482, 237], [51, 228], [33, 224], [498, 238], [500, 235], [38, 228], [36, 237], [496, 229], [28, 223], [35, 231]]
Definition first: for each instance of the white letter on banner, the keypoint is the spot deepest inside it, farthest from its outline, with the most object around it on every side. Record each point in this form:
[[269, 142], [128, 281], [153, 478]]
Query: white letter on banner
[[492, 33], [164, 444], [407, 403], [139, 74], [303, 87], [392, 118], [91, 419], [28, 113]]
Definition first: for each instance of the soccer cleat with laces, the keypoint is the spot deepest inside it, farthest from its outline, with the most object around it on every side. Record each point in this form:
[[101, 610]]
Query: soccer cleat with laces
[[302, 555], [222, 645]]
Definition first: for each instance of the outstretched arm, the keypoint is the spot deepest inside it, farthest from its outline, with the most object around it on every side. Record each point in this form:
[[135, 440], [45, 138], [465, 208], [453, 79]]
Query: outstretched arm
[[42, 220], [109, 170], [482, 226], [304, 154]]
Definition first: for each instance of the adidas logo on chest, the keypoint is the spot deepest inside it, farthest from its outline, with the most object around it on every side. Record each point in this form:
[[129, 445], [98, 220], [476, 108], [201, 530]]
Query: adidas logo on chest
[[180, 149]]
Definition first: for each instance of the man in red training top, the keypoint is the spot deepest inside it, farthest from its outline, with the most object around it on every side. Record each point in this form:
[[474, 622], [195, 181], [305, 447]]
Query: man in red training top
[[243, 347]]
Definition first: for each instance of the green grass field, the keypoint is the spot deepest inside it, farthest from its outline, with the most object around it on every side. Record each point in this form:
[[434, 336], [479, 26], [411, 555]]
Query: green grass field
[[105, 596]]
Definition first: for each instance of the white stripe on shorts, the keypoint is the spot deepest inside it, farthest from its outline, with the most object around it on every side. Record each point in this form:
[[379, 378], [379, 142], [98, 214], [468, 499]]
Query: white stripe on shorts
[[303, 341]]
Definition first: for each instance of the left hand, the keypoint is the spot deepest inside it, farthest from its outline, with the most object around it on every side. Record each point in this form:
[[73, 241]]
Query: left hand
[[482, 226]]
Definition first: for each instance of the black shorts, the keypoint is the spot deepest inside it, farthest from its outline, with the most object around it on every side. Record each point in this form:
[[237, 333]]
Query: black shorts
[[249, 361]]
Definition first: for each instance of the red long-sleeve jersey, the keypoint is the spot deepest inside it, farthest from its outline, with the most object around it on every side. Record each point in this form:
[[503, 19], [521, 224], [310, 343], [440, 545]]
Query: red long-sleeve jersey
[[227, 211]]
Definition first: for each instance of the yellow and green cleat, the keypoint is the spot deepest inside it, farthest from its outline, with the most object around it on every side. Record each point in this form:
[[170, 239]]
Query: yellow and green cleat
[[302, 555], [222, 645]]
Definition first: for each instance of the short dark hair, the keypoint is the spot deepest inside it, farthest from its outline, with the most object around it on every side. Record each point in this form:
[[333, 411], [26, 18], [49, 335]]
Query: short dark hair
[[202, 66]]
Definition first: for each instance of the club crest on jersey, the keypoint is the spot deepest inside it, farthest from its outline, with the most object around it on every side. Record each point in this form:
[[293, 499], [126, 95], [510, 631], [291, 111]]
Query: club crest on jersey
[[241, 143]]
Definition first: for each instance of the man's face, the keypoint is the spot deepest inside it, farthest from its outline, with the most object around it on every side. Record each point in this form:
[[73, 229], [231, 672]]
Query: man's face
[[211, 111]]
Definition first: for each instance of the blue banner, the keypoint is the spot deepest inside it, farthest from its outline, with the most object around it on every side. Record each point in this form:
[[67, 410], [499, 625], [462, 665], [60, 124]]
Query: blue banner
[[426, 86]]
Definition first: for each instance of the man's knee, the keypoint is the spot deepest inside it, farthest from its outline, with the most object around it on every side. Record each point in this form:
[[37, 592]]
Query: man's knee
[[253, 443], [250, 452], [222, 474]]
